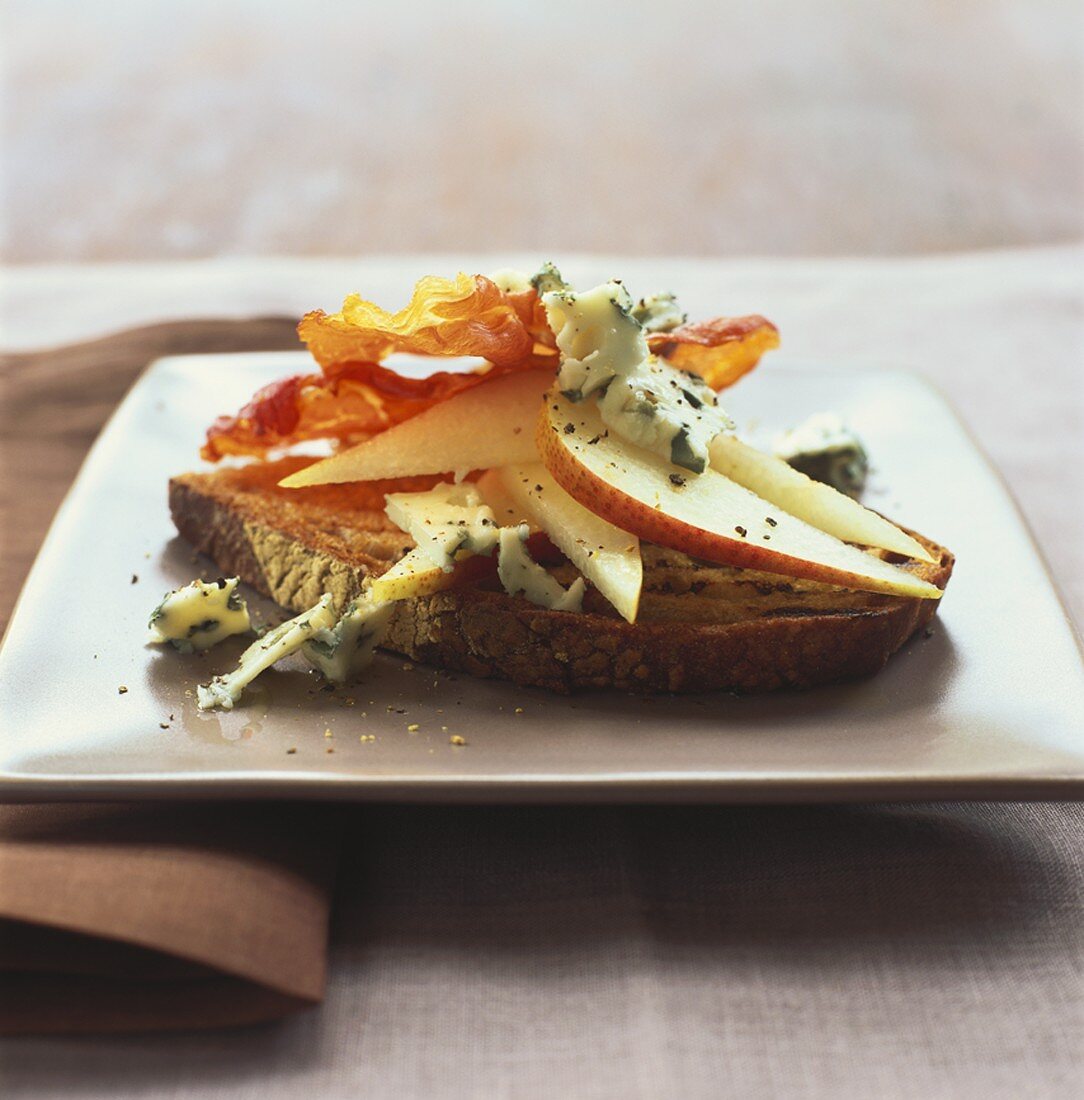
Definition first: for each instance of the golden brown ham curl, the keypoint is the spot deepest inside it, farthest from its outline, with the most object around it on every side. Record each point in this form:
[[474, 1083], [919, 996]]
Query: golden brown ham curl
[[354, 396], [467, 315], [720, 350]]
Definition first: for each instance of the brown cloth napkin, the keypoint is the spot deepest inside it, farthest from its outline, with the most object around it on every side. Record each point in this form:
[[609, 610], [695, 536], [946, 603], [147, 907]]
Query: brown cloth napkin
[[162, 916], [141, 917]]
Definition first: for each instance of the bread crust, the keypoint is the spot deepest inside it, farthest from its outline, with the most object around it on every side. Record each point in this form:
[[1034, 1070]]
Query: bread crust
[[744, 632]]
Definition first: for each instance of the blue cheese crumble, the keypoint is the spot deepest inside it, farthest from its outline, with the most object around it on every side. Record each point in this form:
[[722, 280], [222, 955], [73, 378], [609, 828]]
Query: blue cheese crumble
[[825, 449], [664, 410], [522, 576], [445, 521], [547, 279], [225, 691], [200, 615], [659, 313], [510, 280], [643, 399], [342, 651], [597, 336]]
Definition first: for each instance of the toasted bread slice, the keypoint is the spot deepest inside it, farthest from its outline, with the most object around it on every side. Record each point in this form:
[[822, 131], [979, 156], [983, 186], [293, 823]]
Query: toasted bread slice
[[702, 626]]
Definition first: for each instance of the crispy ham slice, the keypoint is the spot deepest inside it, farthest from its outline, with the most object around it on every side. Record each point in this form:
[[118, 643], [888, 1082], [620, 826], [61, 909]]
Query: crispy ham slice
[[354, 397], [721, 350], [467, 315], [349, 403]]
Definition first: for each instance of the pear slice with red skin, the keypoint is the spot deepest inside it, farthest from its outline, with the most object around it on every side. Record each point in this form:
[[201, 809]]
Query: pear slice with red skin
[[705, 515], [820, 505], [488, 425]]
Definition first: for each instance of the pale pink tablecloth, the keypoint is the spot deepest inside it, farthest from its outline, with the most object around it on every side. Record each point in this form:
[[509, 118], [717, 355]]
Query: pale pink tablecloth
[[888, 951]]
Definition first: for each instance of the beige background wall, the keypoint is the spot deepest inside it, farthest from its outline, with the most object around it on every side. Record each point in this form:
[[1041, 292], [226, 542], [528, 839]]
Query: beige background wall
[[161, 130]]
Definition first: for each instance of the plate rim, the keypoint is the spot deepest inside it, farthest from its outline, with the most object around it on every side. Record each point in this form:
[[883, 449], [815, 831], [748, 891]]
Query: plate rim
[[647, 787]]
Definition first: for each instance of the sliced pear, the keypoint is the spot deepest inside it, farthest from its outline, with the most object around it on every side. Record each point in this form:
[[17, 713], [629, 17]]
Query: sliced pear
[[491, 424], [818, 504], [510, 510], [606, 555], [706, 515], [413, 575]]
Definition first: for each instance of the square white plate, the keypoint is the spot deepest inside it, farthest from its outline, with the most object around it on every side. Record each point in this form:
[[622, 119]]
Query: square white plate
[[990, 705]]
